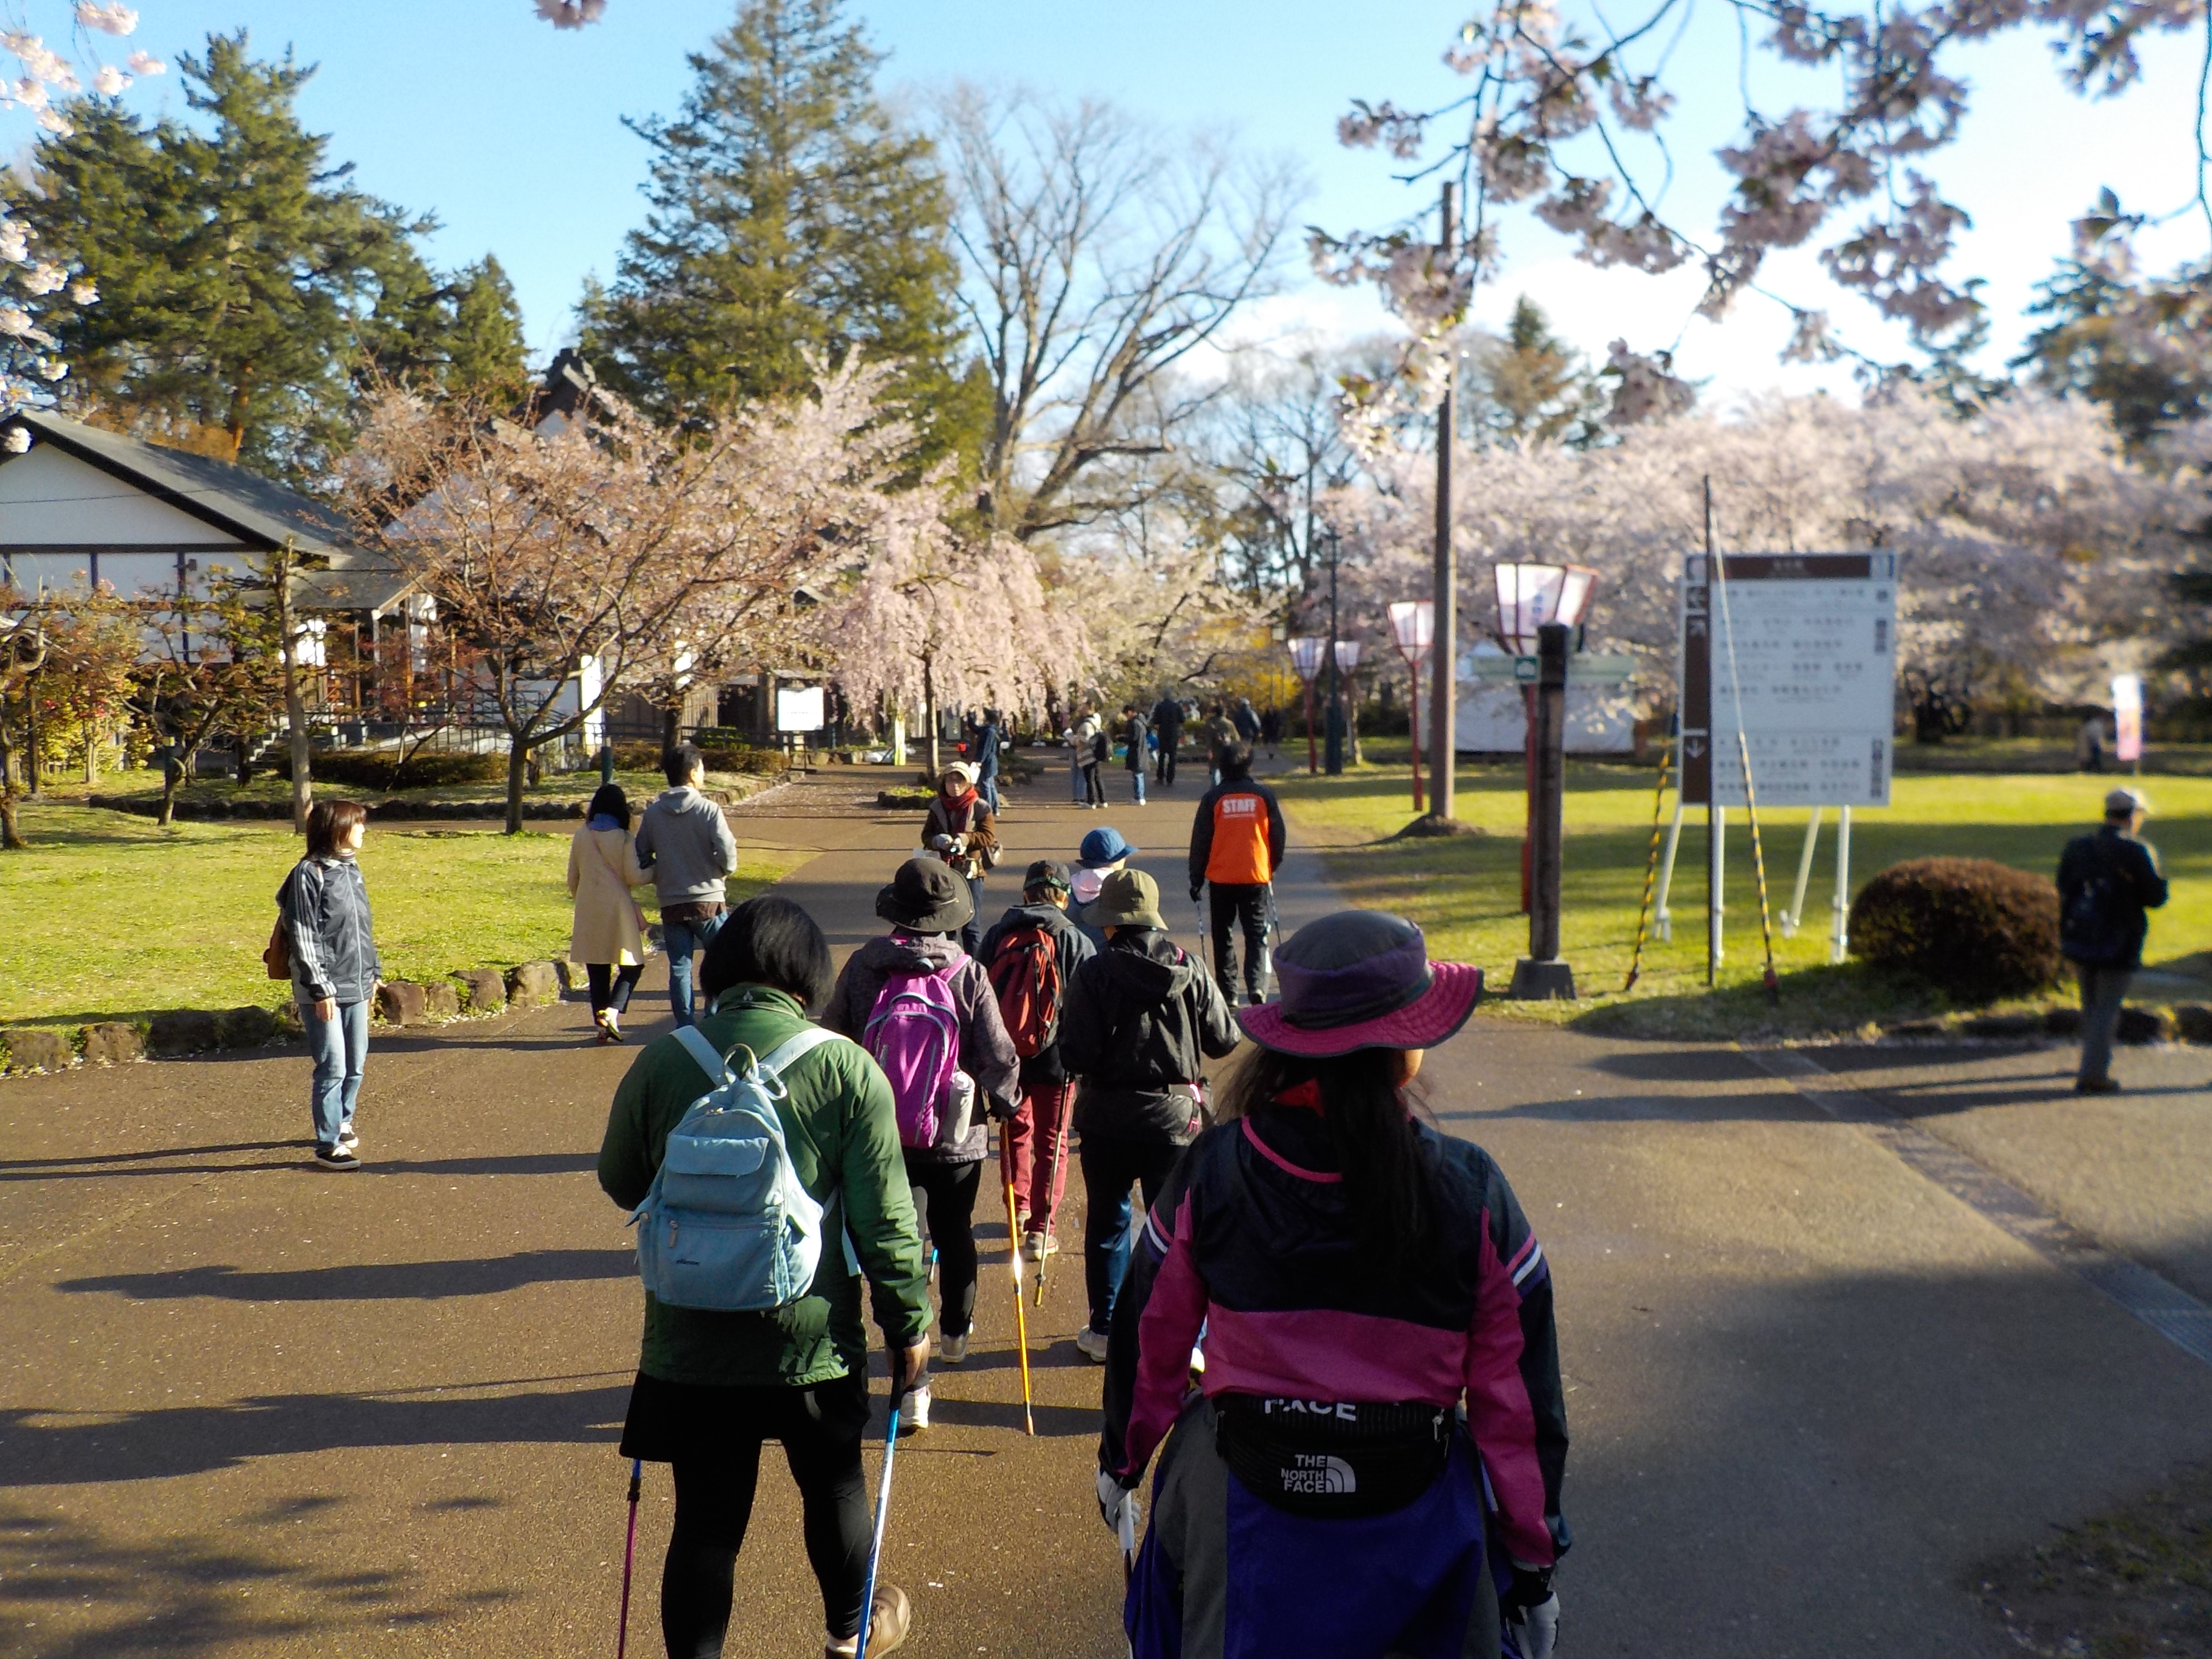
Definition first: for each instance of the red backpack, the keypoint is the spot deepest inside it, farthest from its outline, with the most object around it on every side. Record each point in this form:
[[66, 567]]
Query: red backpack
[[1025, 978]]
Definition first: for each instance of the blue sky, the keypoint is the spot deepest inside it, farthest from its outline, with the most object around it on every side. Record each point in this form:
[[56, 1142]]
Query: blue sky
[[511, 133]]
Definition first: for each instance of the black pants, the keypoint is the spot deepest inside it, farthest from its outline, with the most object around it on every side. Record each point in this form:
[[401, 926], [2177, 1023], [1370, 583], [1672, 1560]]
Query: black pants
[[1246, 906], [971, 936], [617, 997], [1165, 760], [1094, 785], [821, 1428], [947, 1192], [1111, 1165]]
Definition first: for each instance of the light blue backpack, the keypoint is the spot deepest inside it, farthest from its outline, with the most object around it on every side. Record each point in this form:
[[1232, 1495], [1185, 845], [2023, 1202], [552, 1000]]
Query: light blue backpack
[[727, 1226]]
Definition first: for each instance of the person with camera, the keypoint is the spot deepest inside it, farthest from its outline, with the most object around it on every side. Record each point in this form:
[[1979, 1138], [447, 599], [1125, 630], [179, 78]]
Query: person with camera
[[963, 831]]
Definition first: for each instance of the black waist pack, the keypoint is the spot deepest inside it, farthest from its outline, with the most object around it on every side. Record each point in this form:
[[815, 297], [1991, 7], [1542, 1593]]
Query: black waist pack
[[1339, 1458]]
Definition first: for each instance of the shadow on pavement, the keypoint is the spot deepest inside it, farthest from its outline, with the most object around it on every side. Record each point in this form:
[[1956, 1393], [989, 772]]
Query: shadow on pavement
[[54, 1447], [369, 1281], [154, 1163]]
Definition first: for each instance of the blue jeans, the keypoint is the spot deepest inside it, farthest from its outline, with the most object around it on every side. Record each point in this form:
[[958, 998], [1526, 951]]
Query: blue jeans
[[1137, 782], [680, 939], [340, 1047], [988, 789], [1111, 1165]]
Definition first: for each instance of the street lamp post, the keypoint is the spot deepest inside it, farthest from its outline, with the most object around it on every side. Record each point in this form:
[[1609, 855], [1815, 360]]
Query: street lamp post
[[1306, 657], [1413, 625], [1345, 725], [1334, 705], [1529, 595], [1540, 974]]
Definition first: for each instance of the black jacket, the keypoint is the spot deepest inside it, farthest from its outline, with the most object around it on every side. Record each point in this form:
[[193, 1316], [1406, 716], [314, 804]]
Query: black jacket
[[1044, 1066], [1241, 856], [2108, 931], [1167, 719], [1141, 1019], [1136, 729]]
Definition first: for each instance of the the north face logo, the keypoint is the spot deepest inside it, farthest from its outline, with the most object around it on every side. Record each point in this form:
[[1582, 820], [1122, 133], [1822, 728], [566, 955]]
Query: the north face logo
[[1315, 1475]]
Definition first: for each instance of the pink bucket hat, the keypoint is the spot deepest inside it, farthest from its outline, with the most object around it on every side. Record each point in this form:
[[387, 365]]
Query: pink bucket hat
[[1361, 979]]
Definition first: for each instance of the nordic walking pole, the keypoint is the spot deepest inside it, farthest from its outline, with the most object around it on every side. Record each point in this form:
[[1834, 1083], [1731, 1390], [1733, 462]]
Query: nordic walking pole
[[1129, 1544], [883, 1502], [630, 1556], [1650, 867], [1021, 1319], [1058, 1170]]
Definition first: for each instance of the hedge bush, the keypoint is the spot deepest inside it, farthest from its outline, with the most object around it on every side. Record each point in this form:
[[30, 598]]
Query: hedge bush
[[718, 757], [383, 771], [1974, 928]]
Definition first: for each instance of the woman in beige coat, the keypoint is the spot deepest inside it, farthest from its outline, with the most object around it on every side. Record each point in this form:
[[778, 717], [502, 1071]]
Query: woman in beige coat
[[609, 933]]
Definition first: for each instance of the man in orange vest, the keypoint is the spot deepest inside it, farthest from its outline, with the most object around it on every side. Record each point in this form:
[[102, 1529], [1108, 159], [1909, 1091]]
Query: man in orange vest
[[1236, 846]]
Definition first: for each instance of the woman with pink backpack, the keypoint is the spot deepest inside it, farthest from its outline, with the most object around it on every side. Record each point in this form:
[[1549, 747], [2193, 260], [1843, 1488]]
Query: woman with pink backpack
[[925, 1008]]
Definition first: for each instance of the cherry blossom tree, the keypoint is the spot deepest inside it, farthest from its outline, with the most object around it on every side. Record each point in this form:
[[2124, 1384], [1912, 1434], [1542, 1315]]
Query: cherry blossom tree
[[569, 563], [1571, 123], [2034, 547]]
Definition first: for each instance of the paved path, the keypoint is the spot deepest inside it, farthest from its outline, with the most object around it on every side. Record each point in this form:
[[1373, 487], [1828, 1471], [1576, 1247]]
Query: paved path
[[249, 1408]]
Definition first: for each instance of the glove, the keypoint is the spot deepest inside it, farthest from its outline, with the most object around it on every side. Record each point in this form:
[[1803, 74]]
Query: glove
[[940, 843], [1004, 1110], [1196, 888], [1117, 1505], [1530, 1612]]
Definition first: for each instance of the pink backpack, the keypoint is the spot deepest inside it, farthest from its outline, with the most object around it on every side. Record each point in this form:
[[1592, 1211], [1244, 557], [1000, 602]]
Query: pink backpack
[[913, 1032]]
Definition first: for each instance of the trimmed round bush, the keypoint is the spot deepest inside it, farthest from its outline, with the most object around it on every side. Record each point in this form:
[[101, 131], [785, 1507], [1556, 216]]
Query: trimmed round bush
[[1974, 928]]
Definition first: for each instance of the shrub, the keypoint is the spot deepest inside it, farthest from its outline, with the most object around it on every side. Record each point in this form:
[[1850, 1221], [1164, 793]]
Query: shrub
[[1974, 928], [383, 770]]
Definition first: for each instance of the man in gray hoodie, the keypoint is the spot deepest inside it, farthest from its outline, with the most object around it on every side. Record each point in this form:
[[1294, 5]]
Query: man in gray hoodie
[[687, 844]]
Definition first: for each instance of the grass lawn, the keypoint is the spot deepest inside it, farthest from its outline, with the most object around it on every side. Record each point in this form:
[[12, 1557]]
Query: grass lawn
[[108, 917], [1466, 892]]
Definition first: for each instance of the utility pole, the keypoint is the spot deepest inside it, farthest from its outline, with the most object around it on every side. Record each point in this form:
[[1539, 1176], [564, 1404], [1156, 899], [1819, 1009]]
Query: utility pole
[[1444, 671]]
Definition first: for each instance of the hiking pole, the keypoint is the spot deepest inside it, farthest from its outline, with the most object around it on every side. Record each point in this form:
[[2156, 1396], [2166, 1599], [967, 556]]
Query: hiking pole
[[1059, 1174], [1021, 1319], [630, 1556], [1129, 1543], [882, 1516], [1651, 867]]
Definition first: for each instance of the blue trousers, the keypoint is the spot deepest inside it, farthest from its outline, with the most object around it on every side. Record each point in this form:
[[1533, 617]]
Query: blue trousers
[[340, 1048], [680, 939]]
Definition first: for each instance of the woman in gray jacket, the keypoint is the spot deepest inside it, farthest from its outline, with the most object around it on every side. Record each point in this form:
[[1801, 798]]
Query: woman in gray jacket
[[335, 970]]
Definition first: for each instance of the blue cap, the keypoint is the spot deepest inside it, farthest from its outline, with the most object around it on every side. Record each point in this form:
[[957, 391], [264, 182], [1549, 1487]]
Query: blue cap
[[1103, 846]]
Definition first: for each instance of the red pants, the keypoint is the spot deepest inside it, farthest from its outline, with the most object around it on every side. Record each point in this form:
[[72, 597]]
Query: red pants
[[1034, 1146]]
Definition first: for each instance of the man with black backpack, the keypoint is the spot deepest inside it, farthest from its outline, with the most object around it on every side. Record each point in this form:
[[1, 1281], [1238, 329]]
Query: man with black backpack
[[1031, 957], [1140, 1021], [923, 1007], [2106, 881]]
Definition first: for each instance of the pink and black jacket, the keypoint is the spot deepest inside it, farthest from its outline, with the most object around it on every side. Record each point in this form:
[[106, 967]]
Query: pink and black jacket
[[1251, 1240]]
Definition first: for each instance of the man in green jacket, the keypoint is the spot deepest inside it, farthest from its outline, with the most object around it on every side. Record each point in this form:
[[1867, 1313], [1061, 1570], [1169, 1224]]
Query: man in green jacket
[[711, 1387]]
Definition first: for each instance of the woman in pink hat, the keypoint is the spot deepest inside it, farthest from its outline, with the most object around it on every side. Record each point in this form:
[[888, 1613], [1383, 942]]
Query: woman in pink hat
[[1372, 1464]]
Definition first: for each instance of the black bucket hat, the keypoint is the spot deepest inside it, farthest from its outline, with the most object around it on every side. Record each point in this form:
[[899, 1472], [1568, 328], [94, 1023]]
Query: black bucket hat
[[925, 896]]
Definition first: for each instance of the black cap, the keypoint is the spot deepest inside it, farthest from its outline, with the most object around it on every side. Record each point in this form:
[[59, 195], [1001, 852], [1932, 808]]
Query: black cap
[[925, 896], [1046, 873]]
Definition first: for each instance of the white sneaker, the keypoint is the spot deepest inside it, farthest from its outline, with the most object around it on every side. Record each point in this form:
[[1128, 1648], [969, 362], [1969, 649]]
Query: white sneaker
[[1093, 1344], [347, 1138], [913, 1412]]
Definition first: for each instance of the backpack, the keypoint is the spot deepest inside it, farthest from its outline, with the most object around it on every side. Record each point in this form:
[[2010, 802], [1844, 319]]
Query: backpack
[[1025, 978], [1101, 747], [914, 1033], [2095, 926], [727, 1225]]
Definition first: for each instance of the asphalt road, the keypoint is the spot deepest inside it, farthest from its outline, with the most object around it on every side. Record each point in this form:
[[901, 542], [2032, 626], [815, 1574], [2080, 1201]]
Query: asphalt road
[[247, 1408]]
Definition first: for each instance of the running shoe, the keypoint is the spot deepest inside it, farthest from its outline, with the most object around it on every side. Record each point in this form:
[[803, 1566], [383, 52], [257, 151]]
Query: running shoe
[[1093, 1344]]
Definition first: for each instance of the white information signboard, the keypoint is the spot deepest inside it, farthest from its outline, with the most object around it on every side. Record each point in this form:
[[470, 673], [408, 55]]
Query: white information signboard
[[1815, 661], [800, 709]]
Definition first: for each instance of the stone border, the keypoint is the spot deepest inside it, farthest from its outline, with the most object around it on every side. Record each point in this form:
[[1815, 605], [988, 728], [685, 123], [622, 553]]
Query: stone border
[[476, 993], [398, 809]]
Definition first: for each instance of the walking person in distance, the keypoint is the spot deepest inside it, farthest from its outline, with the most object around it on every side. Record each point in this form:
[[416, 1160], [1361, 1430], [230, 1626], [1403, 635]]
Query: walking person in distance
[[1237, 845], [1167, 724], [963, 831], [1133, 726], [2106, 881], [1140, 1020], [685, 841], [1360, 1279], [1032, 955], [324, 904], [924, 1008], [711, 1385], [607, 933]]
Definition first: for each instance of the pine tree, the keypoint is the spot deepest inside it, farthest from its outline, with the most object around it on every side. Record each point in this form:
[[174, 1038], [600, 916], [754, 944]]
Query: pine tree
[[484, 349], [242, 279], [789, 214], [1534, 387]]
